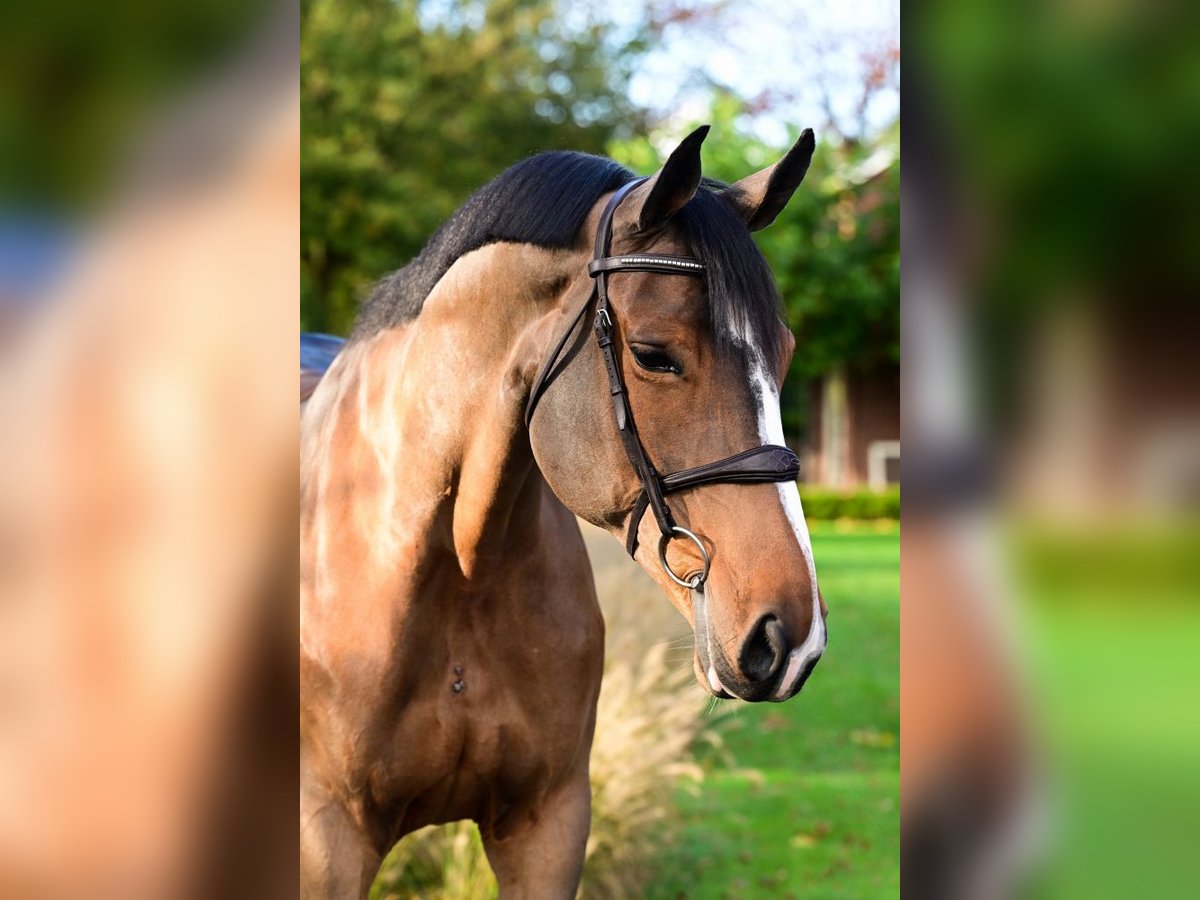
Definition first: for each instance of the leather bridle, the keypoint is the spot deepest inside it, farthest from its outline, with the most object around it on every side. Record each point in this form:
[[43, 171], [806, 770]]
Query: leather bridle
[[768, 463]]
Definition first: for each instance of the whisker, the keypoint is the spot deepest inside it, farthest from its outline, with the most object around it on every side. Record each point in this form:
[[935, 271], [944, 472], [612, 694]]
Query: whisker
[[682, 667]]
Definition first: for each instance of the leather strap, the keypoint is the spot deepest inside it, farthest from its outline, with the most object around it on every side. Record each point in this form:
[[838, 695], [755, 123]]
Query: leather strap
[[601, 263], [769, 462], [603, 327], [759, 464], [663, 265], [544, 376]]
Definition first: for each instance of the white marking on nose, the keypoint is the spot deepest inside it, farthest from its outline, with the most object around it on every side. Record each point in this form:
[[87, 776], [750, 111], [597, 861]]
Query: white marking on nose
[[713, 681], [798, 659], [770, 431]]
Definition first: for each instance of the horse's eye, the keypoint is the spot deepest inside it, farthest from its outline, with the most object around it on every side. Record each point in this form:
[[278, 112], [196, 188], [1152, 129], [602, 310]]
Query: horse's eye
[[653, 359]]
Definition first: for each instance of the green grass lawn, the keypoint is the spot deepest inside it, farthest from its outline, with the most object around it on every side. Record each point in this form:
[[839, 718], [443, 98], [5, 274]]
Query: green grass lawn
[[1112, 623], [802, 799]]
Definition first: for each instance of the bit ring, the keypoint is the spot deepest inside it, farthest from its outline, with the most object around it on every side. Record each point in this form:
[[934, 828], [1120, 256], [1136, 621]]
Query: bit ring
[[697, 580]]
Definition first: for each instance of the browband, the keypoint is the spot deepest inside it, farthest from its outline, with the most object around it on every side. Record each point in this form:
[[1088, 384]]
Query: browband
[[768, 463]]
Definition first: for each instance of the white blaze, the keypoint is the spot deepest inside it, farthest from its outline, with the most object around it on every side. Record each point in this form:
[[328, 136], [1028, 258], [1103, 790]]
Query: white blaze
[[770, 431]]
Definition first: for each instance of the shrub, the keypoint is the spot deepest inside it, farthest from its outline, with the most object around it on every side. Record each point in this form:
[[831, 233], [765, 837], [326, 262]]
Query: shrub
[[441, 862], [826, 503]]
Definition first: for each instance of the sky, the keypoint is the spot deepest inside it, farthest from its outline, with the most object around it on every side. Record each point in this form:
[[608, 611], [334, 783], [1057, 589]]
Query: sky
[[793, 49], [785, 48]]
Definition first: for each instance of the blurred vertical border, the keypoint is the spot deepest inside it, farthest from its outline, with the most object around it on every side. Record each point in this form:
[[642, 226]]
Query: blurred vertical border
[[149, 231], [1052, 418]]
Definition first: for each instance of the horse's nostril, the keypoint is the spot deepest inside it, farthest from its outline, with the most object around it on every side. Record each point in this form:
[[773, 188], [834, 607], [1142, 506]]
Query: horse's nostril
[[764, 651]]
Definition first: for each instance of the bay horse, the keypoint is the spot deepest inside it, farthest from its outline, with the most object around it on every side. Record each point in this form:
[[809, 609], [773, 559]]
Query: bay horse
[[450, 636]]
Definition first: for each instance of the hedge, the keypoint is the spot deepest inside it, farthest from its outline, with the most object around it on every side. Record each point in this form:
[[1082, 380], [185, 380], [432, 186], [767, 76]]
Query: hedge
[[827, 503]]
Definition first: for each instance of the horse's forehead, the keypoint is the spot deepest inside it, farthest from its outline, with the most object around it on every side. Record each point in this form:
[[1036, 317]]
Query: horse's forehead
[[752, 348], [743, 350], [746, 356], [684, 304]]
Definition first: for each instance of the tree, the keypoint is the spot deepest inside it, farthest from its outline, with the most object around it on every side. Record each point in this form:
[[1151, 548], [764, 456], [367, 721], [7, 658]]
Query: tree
[[835, 249], [408, 107], [76, 89]]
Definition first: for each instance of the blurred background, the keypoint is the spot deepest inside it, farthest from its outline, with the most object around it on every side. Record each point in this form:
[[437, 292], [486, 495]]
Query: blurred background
[[149, 226], [1052, 423], [407, 109], [148, 232]]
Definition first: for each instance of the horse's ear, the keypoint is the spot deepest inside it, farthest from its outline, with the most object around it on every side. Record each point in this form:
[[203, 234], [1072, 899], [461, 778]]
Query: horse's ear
[[672, 186], [760, 197]]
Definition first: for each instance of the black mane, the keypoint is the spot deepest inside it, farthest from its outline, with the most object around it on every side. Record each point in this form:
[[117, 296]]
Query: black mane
[[743, 299], [544, 201]]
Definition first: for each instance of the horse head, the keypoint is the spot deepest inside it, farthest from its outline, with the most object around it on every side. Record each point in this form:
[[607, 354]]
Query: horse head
[[699, 364]]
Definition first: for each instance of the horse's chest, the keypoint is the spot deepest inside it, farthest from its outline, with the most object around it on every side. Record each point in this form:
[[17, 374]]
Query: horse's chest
[[469, 705], [480, 742]]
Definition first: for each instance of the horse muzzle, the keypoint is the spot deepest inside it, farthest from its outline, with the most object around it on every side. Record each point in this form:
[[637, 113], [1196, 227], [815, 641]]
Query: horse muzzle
[[768, 663]]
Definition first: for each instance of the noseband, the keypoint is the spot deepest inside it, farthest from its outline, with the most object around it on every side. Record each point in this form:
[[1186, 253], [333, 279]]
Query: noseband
[[767, 463]]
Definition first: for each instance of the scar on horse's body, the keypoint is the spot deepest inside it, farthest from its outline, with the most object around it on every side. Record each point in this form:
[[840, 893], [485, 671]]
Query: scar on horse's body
[[438, 531]]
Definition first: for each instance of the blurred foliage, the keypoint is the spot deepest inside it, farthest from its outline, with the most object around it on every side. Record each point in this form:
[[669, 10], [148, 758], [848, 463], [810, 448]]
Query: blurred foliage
[[1103, 566], [1065, 135], [76, 79], [407, 108], [1112, 630], [1079, 124], [827, 503], [438, 862], [835, 249]]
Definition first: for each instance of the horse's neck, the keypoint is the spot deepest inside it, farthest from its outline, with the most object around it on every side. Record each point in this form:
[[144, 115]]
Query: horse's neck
[[419, 431]]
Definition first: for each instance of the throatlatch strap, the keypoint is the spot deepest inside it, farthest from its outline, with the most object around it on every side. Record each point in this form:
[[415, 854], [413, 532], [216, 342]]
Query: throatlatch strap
[[543, 378]]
